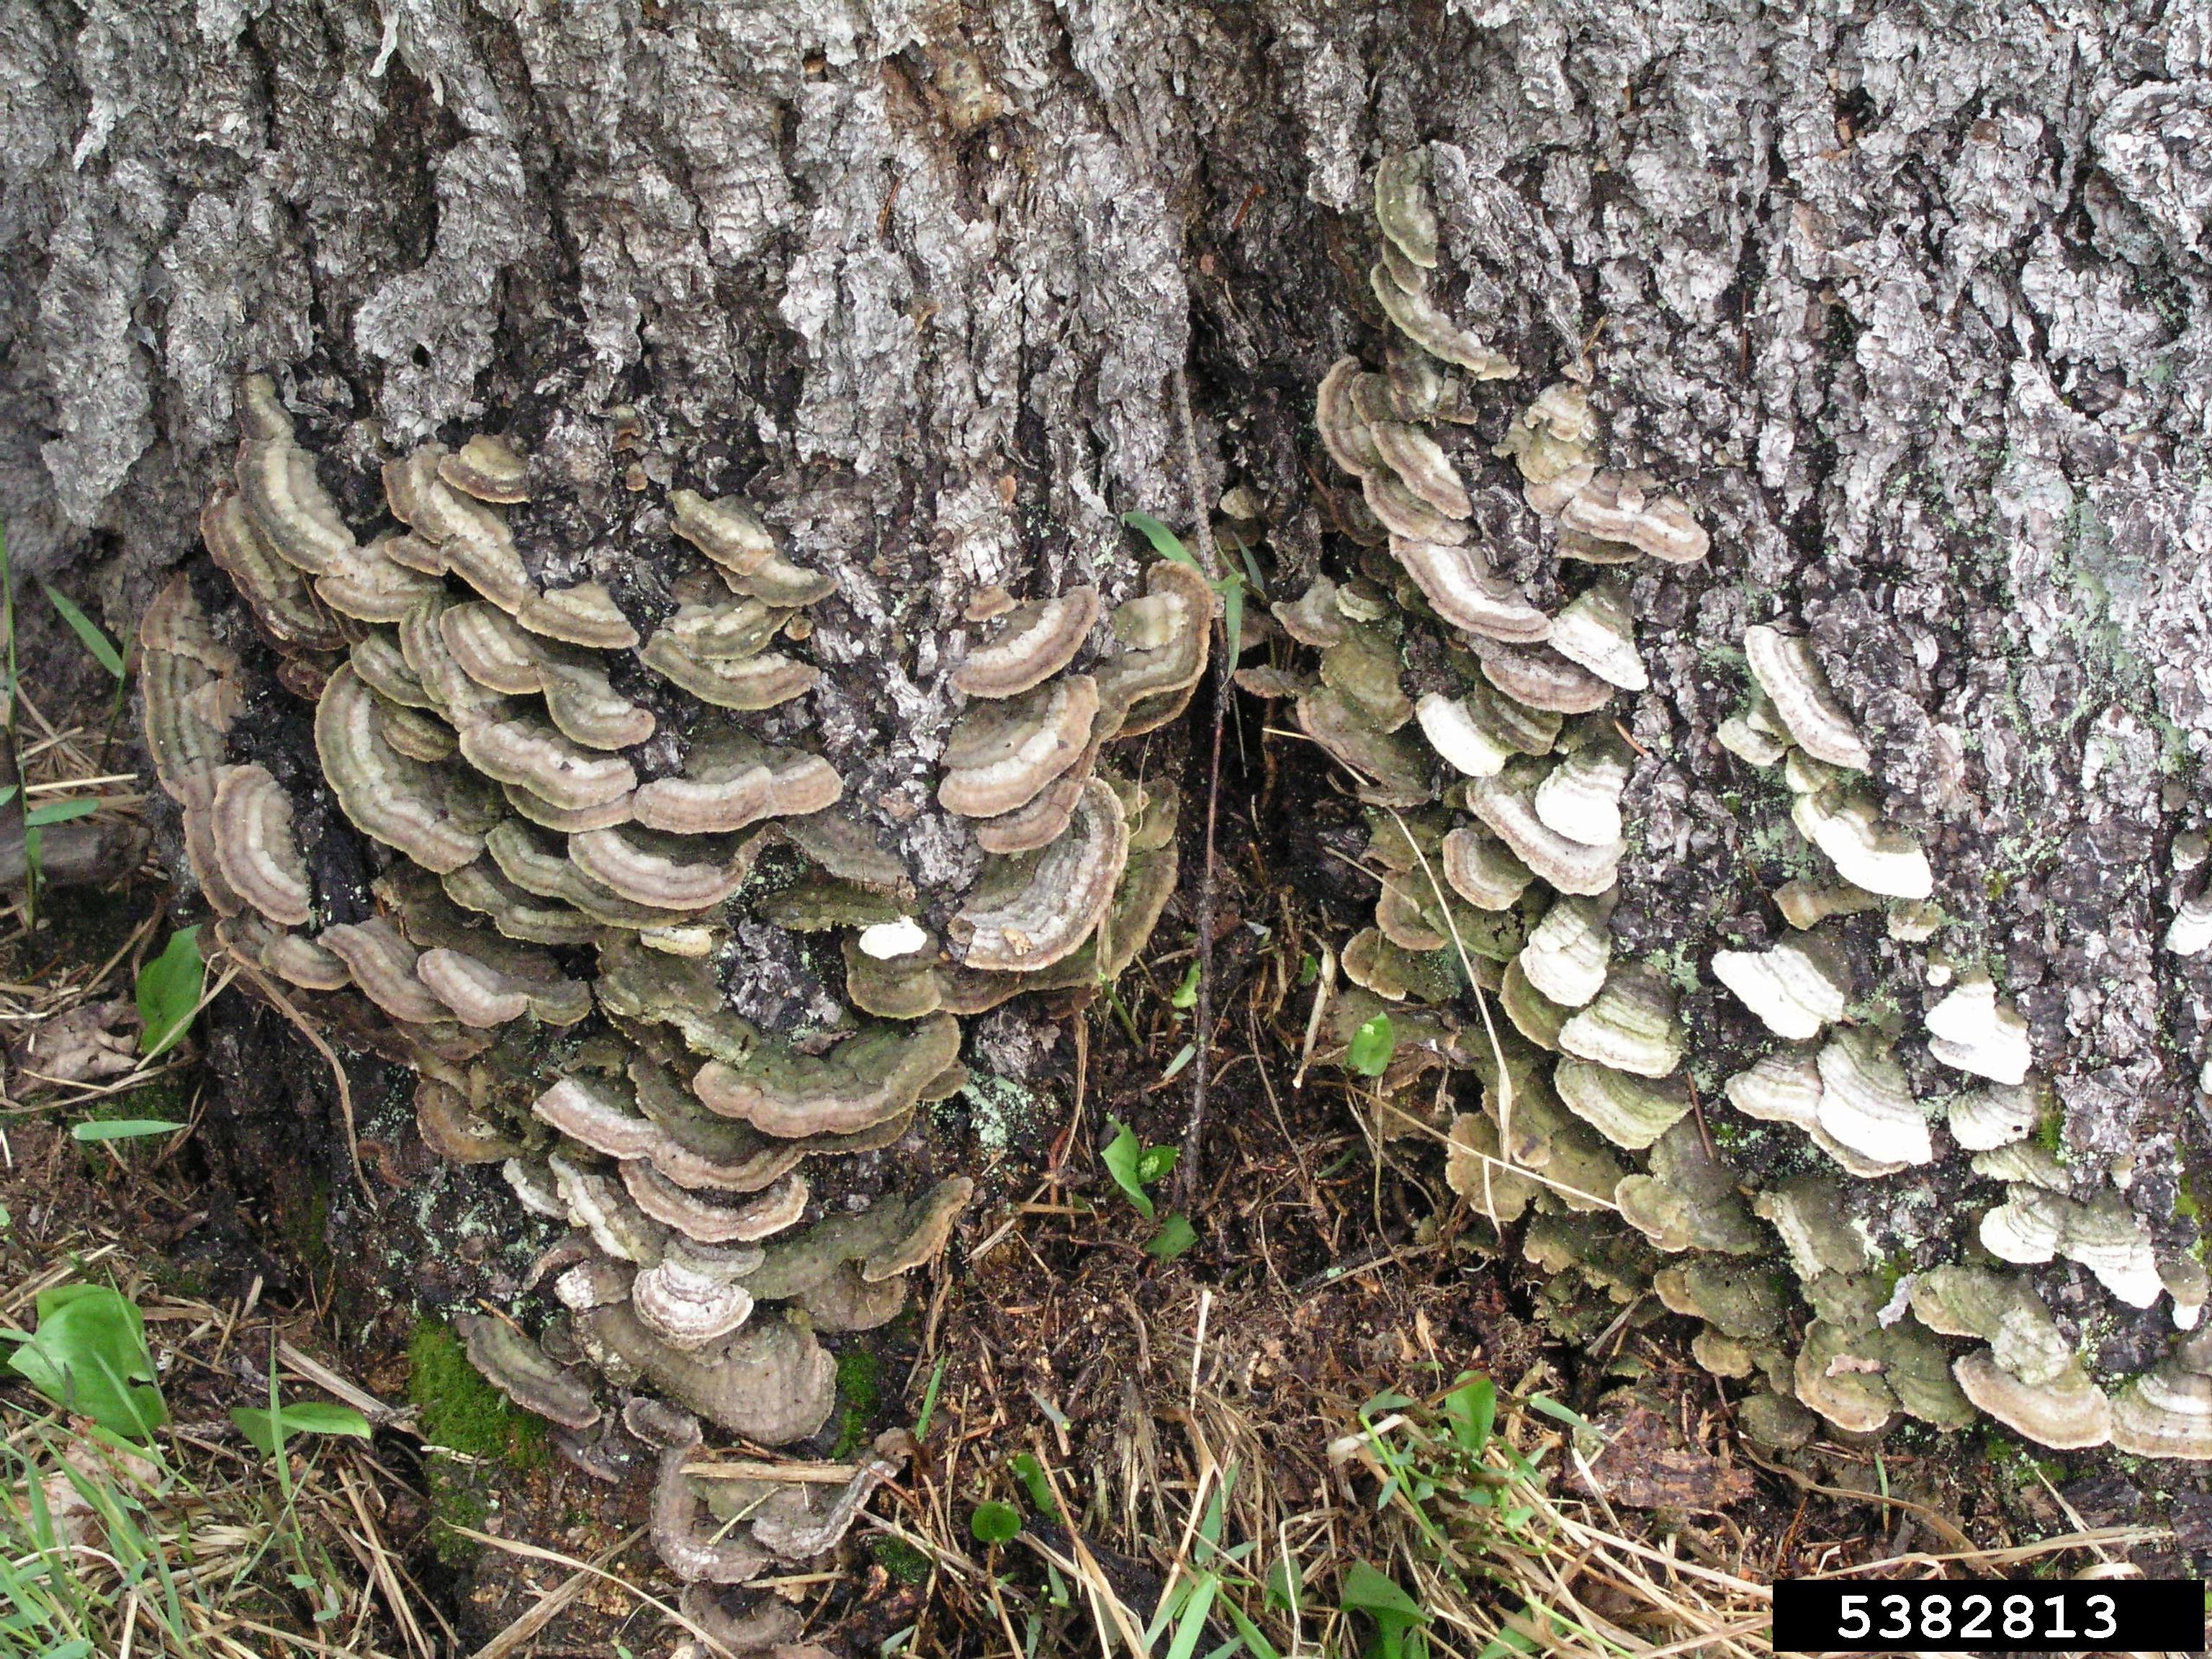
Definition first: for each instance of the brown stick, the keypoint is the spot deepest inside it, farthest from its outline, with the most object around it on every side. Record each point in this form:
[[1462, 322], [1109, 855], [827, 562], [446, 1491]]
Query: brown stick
[[1189, 1161]]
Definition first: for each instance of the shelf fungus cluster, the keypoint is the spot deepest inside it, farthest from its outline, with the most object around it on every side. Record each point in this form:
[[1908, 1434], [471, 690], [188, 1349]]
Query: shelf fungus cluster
[[533, 824], [1841, 1084], [1475, 725]]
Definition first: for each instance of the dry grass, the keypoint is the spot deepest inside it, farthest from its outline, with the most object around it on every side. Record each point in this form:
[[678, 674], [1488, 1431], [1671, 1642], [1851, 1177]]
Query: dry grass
[[204, 1547]]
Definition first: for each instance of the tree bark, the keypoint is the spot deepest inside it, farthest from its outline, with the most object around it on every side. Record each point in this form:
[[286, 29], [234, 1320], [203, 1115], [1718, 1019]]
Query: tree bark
[[1911, 302]]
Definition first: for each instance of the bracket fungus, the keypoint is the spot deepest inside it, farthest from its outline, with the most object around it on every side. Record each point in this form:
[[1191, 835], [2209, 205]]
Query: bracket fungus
[[1797, 988], [1973, 1029], [1531, 833], [564, 805]]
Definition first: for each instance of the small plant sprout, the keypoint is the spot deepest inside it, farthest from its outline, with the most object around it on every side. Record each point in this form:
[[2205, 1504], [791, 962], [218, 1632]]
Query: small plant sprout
[[1134, 1167], [993, 1522], [1372, 1045], [88, 1355], [168, 991]]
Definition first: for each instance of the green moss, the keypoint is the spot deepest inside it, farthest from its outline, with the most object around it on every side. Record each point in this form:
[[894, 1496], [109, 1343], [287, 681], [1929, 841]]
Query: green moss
[[905, 1563], [2050, 1133], [860, 1390], [459, 1411]]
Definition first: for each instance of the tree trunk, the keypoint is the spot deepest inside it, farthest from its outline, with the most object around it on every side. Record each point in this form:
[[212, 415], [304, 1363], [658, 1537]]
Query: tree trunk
[[1910, 303]]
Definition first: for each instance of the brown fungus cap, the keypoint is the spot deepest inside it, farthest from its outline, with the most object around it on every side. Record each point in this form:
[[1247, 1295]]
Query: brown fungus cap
[[844, 847], [731, 780], [1402, 207], [691, 1296], [1624, 508], [293, 958], [1163, 639], [585, 614], [1791, 676], [533, 755], [1001, 753], [1032, 643], [482, 995], [1538, 677], [1420, 464], [1042, 820], [492, 648], [869, 1078], [1427, 326], [487, 467], [283, 605], [458, 1130], [1389, 770], [289, 506], [371, 585], [1458, 580], [730, 534], [400, 802], [894, 1235], [771, 1383], [665, 872], [1049, 916], [251, 824], [1507, 804], [382, 964], [2066, 1412], [711, 1220], [483, 888], [744, 683], [587, 709], [519, 1369], [474, 539]]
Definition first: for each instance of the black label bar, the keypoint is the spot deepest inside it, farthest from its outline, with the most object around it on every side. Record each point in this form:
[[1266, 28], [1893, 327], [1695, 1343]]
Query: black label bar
[[1989, 1616]]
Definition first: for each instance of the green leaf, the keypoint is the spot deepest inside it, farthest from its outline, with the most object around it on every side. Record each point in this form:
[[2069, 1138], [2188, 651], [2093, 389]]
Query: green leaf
[[58, 812], [929, 1399], [89, 1356], [124, 1128], [1185, 995], [1231, 589], [1154, 1163], [1175, 1235], [1372, 1045], [1164, 541], [1472, 1408], [1120, 1155], [267, 1426], [1030, 1474], [1364, 1589], [169, 989], [1508, 1641], [1183, 1057], [1567, 1414], [1192, 1624], [1261, 1648], [994, 1522], [1308, 969], [86, 629]]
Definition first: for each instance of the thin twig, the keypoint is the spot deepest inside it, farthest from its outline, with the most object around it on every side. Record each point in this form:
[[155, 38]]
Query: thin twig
[[300, 1022], [1188, 1164]]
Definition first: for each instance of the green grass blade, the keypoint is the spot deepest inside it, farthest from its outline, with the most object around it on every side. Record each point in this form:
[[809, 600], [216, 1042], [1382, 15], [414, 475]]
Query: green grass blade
[[86, 629]]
